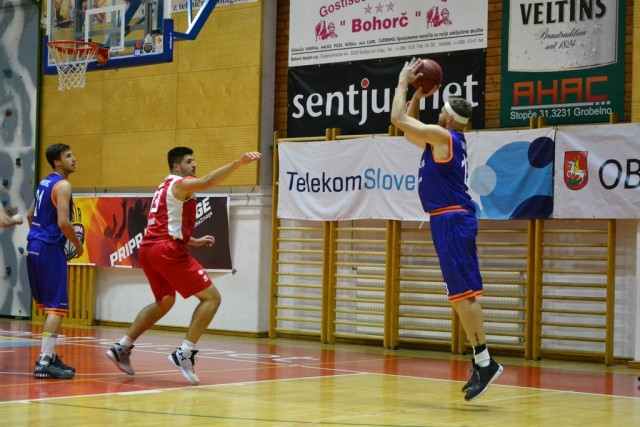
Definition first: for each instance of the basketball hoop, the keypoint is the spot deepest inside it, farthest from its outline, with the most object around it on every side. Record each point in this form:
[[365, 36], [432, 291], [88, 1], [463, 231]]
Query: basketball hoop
[[71, 59]]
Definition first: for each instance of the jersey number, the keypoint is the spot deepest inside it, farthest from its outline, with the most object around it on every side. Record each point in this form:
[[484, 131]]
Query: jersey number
[[157, 196], [39, 194]]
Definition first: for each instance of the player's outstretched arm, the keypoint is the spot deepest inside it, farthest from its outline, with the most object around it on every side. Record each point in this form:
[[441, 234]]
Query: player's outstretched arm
[[212, 179]]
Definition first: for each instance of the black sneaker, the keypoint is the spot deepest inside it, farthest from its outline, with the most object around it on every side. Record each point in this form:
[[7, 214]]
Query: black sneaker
[[57, 361], [51, 371], [484, 377], [472, 376]]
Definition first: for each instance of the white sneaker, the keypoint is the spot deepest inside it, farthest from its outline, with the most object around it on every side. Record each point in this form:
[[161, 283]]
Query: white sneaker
[[185, 361], [119, 355]]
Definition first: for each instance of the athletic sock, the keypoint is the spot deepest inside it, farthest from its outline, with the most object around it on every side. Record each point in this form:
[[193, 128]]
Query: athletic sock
[[188, 346], [481, 355], [125, 341], [48, 346]]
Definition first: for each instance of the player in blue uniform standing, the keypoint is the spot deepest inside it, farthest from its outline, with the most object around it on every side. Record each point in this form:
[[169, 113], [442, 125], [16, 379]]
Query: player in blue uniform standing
[[49, 219], [443, 193]]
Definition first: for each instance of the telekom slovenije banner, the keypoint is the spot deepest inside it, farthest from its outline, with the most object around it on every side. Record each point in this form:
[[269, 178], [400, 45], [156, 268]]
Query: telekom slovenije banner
[[112, 229], [511, 173], [351, 179], [565, 172], [510, 176]]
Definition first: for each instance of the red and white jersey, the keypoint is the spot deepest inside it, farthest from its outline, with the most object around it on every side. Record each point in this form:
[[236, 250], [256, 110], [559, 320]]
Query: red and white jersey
[[170, 218]]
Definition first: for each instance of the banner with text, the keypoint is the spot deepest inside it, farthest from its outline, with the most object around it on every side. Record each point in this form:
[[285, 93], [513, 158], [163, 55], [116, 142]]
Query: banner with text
[[511, 173], [597, 171], [563, 61], [350, 179], [329, 31], [111, 229], [377, 177], [356, 97]]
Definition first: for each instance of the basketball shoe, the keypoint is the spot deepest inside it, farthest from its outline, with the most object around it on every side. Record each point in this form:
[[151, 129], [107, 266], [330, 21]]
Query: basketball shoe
[[57, 361], [49, 370], [185, 361], [483, 379], [119, 355], [472, 377]]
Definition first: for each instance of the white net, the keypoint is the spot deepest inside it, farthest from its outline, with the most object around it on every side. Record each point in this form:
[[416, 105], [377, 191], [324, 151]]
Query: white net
[[71, 59]]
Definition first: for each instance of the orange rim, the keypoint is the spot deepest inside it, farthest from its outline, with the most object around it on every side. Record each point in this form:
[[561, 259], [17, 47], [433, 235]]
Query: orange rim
[[71, 47]]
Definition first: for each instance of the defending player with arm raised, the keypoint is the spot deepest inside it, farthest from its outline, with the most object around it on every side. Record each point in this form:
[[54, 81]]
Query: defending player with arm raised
[[169, 266], [443, 193]]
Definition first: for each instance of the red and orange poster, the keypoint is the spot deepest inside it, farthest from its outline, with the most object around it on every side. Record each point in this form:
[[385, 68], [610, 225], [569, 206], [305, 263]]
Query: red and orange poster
[[111, 229]]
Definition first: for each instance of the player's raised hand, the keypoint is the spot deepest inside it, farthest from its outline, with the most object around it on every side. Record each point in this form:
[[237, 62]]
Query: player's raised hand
[[249, 157], [409, 72]]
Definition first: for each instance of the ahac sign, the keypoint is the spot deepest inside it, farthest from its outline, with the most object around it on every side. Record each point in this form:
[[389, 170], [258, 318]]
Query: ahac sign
[[563, 61]]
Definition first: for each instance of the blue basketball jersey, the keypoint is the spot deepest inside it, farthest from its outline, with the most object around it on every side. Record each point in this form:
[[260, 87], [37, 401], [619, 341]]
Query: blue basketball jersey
[[44, 226], [443, 183]]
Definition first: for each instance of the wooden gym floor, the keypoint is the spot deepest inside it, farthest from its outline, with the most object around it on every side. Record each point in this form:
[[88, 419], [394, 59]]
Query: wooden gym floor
[[285, 383]]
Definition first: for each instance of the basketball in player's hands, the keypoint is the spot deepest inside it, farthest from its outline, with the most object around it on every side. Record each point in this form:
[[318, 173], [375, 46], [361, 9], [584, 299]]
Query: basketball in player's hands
[[431, 76]]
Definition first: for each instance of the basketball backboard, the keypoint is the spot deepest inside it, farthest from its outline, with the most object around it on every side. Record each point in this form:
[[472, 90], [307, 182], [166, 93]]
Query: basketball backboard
[[136, 32]]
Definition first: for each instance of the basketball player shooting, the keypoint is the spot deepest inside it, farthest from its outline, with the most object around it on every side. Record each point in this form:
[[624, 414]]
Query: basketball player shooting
[[443, 193]]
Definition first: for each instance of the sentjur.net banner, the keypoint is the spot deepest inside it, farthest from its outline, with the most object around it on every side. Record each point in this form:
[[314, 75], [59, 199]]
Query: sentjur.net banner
[[356, 97]]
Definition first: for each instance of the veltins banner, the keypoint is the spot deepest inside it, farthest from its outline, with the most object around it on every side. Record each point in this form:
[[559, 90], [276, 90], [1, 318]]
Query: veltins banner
[[597, 171], [111, 229], [356, 97], [563, 61]]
